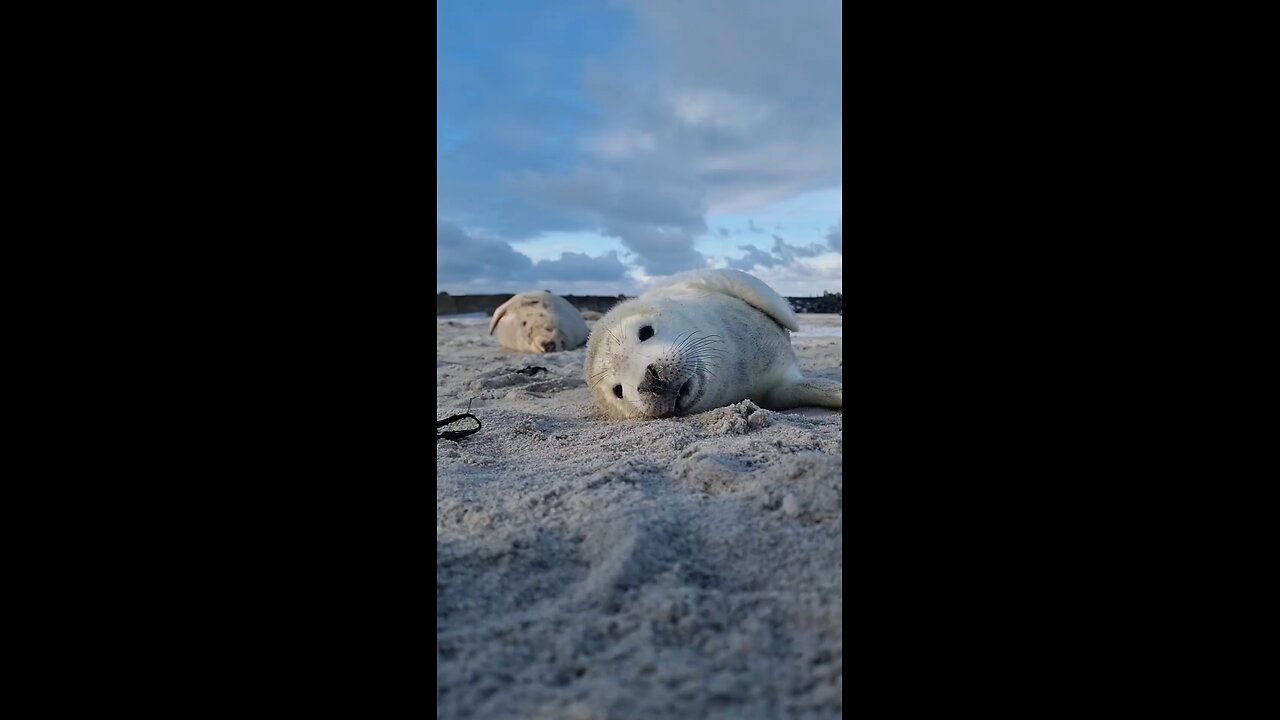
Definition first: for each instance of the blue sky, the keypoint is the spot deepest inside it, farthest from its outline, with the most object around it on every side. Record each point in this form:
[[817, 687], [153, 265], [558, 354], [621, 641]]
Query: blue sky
[[593, 147]]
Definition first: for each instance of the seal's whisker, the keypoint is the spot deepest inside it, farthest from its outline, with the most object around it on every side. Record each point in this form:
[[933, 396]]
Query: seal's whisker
[[703, 348], [693, 341]]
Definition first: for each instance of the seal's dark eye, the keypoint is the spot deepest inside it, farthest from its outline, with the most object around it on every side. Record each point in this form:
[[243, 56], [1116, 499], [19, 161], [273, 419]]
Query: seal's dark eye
[[523, 323], [646, 332], [617, 390]]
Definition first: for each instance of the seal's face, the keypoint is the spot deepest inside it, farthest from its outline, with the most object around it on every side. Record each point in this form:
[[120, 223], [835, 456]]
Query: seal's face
[[647, 361], [538, 331]]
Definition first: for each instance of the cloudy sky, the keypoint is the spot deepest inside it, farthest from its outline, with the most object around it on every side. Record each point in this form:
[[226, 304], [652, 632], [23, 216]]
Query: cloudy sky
[[592, 146]]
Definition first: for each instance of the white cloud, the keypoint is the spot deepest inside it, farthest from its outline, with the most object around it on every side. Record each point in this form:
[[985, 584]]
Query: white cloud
[[620, 145], [719, 108], [802, 278]]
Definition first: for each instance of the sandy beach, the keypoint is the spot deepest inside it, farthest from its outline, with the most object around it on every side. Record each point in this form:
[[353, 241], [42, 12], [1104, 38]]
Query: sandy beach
[[590, 568]]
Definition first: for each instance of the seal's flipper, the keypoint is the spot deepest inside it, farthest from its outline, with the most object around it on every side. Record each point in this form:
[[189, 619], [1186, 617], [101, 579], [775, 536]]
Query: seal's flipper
[[502, 310], [807, 392], [747, 288]]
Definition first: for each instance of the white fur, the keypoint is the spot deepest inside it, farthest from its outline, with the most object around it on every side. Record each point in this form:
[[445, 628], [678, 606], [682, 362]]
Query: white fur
[[529, 320], [722, 332]]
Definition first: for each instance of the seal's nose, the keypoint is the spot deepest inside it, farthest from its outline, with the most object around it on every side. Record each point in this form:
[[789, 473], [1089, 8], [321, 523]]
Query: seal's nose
[[652, 382], [549, 346]]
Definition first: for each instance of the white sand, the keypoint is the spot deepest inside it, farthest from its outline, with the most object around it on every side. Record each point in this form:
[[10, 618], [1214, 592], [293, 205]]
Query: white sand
[[587, 568]]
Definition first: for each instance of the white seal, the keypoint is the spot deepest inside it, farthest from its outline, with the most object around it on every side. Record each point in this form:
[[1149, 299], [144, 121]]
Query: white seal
[[703, 340], [538, 322]]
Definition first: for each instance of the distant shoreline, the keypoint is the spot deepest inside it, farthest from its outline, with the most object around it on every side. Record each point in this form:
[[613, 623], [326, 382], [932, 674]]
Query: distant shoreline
[[447, 304]]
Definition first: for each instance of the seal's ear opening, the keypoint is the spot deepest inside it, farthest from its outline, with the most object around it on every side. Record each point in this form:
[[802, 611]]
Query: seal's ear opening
[[497, 314]]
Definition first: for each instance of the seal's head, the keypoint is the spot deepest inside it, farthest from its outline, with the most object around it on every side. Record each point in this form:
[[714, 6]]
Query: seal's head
[[650, 360], [529, 322]]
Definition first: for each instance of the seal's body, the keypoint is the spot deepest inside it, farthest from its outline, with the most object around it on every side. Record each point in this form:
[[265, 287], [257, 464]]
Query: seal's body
[[538, 322], [703, 340]]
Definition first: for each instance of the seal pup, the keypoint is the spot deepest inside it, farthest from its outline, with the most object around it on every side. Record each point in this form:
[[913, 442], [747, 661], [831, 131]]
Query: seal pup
[[538, 322], [702, 340]]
